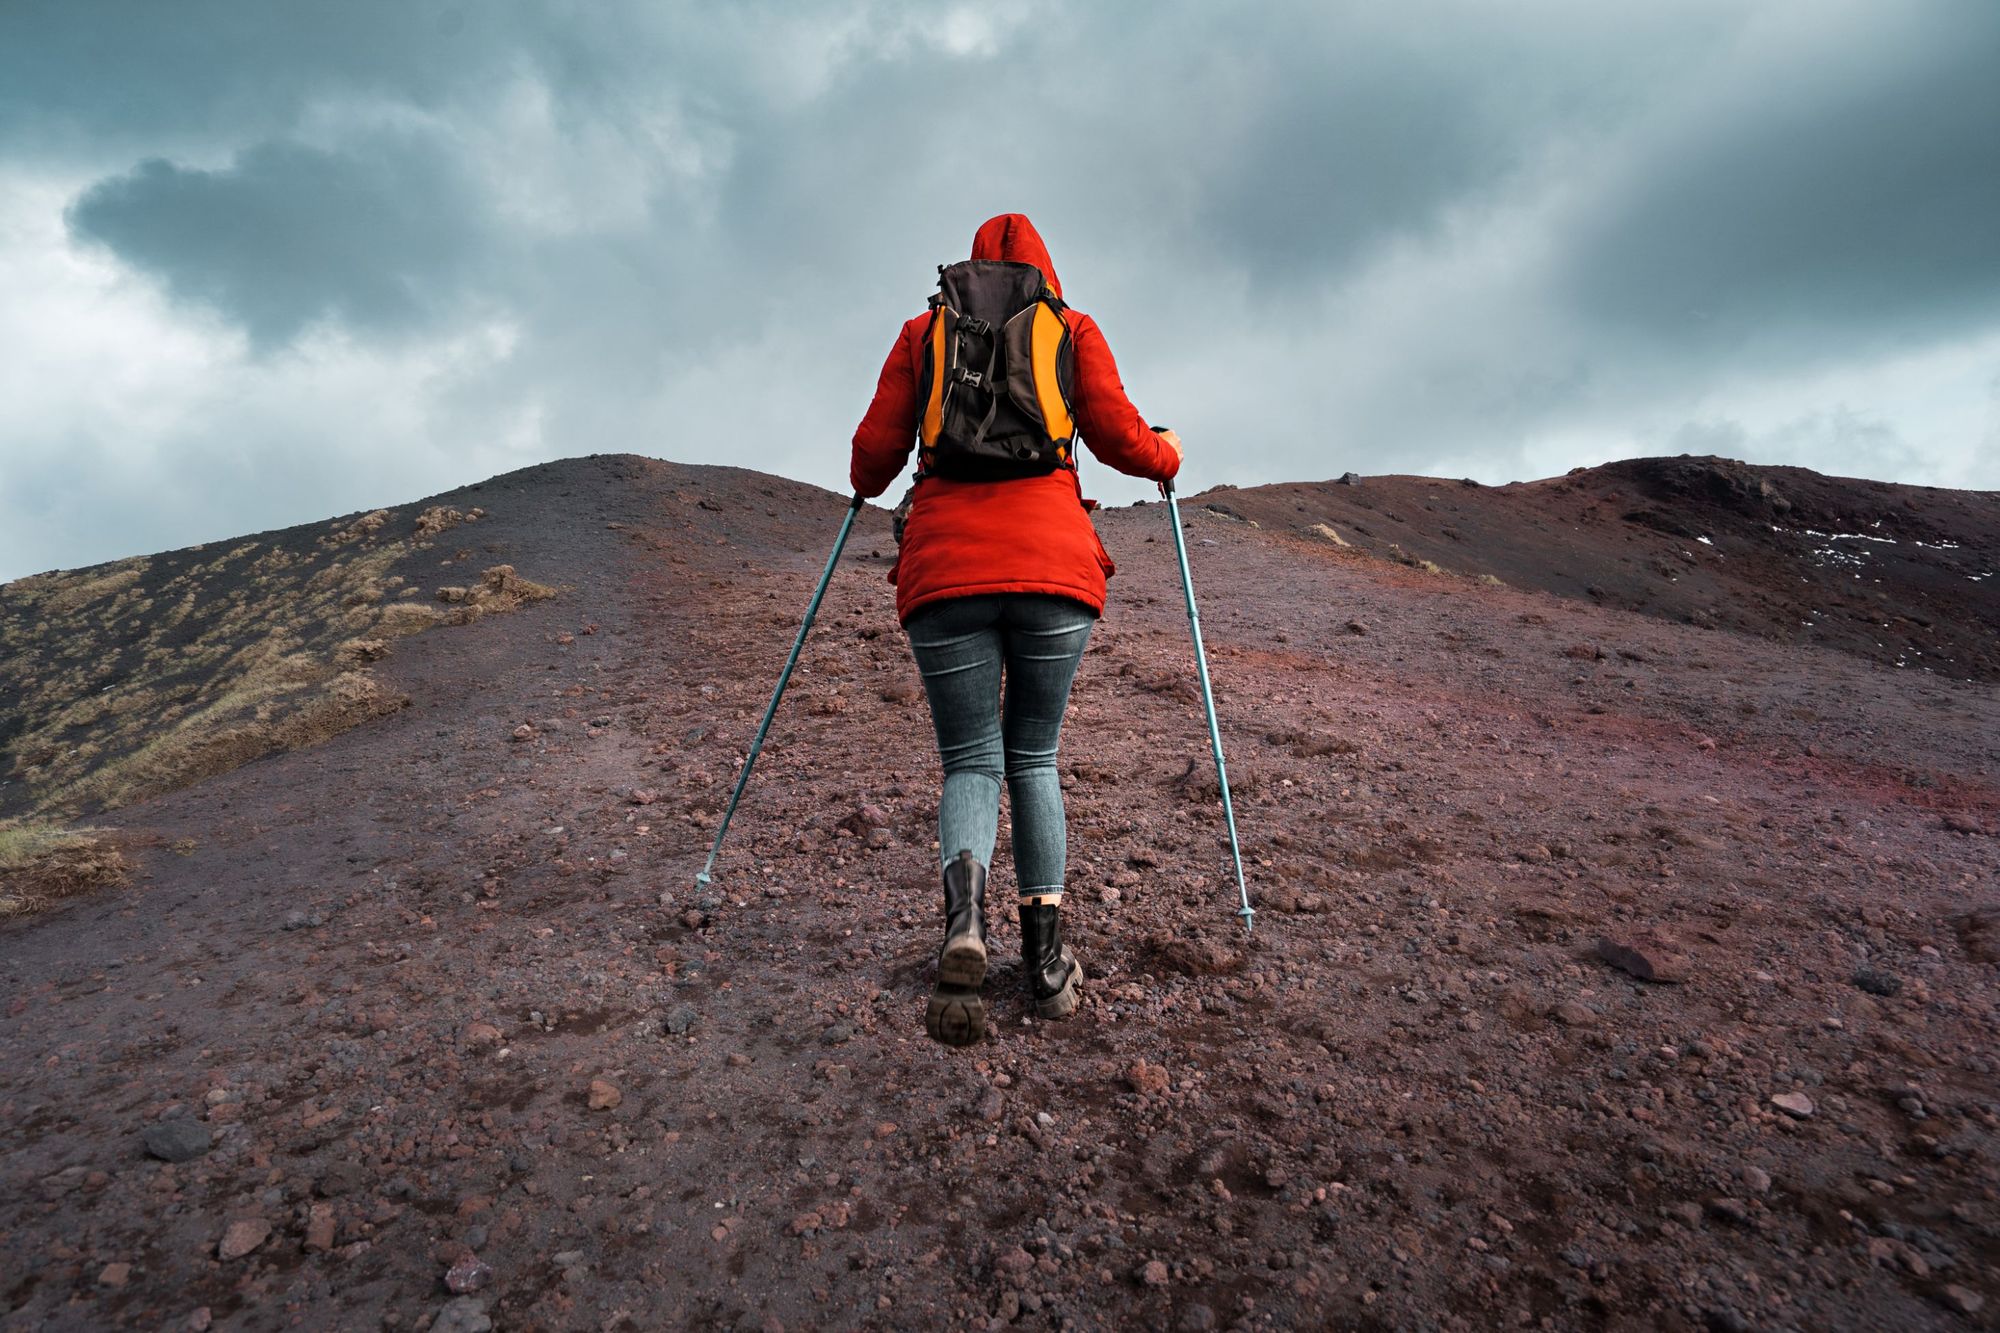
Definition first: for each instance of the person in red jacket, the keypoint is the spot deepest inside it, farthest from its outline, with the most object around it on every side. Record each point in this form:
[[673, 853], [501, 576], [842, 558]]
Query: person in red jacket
[[1002, 580]]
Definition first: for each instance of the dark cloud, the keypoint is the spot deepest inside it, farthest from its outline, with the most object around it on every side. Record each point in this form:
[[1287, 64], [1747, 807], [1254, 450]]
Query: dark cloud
[[287, 234], [1848, 199], [81, 77]]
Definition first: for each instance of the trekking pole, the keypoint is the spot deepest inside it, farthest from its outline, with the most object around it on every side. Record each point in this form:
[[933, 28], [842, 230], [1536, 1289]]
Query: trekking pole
[[812, 610], [1246, 911]]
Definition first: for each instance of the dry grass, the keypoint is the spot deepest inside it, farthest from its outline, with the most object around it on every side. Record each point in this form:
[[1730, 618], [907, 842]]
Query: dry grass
[[71, 594], [139, 677], [41, 864]]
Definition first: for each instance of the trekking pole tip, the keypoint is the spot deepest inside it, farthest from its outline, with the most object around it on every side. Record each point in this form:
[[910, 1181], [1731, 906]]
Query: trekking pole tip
[[701, 877], [1247, 912]]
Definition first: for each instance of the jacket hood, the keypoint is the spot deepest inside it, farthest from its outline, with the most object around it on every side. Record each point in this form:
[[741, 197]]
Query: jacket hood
[[1012, 238]]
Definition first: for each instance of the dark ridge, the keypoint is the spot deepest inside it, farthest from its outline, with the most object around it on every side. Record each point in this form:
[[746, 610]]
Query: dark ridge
[[1908, 576]]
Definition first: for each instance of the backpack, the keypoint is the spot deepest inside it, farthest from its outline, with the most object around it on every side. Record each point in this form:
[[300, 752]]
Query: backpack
[[998, 376]]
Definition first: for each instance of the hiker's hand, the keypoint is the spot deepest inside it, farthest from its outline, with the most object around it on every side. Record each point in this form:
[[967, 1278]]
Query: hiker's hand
[[1172, 441]]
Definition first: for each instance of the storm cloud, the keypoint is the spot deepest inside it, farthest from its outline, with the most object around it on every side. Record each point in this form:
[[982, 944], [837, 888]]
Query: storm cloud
[[289, 234], [266, 264]]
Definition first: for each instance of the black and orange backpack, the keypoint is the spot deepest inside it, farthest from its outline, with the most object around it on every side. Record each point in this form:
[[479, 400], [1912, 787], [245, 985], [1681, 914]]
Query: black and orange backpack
[[998, 377]]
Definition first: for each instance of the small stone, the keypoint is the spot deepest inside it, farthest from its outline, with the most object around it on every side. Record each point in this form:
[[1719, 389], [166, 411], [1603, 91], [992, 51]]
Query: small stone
[[836, 1035], [1574, 1013], [643, 796], [462, 1314], [199, 1319], [1014, 1263], [992, 1106], [524, 732], [1794, 1104], [604, 1096], [1045, 1120], [1878, 983], [1145, 1078], [320, 1228], [241, 1237], [468, 1275], [1963, 1299], [693, 919], [341, 1176], [1649, 955], [114, 1275], [885, 1129], [477, 1036], [1154, 1274], [179, 1140], [1196, 1318], [1757, 1180], [681, 1018], [1728, 1210]]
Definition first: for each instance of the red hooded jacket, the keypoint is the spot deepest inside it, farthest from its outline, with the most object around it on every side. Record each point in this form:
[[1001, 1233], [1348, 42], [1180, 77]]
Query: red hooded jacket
[[965, 538]]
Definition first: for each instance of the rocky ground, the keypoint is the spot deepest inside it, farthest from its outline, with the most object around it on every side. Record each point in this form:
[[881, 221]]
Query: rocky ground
[[429, 1026]]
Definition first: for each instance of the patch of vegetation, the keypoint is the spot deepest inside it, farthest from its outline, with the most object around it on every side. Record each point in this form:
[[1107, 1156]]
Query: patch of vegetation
[[1402, 557], [42, 863], [139, 677]]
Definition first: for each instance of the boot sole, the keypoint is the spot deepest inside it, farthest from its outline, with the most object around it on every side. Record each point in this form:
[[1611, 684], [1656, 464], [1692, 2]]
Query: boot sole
[[962, 963], [1063, 1003], [956, 1015]]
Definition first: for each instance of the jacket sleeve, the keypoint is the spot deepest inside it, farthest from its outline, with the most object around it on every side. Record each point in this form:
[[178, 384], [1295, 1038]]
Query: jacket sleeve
[[1111, 426], [888, 431]]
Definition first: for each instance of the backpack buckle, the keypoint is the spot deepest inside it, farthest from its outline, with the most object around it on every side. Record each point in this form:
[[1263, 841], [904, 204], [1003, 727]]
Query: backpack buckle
[[972, 379], [976, 327]]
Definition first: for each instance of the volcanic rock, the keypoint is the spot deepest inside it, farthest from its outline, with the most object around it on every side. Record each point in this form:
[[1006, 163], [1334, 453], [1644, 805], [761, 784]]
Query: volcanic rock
[[241, 1237], [178, 1140], [1649, 955]]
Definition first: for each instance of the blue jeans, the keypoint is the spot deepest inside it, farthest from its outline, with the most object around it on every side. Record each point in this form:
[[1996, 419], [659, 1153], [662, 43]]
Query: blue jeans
[[962, 646]]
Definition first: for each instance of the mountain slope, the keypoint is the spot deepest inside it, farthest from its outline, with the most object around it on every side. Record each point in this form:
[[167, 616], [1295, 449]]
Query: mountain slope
[[446, 1000], [1903, 575]]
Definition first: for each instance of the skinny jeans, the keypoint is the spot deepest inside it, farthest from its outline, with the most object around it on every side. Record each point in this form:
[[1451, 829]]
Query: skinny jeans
[[965, 647]]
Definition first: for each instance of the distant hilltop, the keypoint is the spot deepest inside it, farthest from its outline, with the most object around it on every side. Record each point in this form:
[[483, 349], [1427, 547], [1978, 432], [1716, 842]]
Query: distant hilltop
[[127, 679], [1902, 575]]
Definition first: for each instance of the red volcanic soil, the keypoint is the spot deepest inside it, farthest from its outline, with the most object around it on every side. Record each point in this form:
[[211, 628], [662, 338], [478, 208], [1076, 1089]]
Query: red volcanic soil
[[453, 1011]]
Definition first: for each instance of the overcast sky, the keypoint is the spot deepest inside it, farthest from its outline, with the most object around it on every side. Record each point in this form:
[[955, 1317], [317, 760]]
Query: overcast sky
[[261, 264]]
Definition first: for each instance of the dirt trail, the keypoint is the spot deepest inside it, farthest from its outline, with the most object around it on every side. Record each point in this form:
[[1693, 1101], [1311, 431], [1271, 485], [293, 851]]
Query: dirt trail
[[451, 1008]]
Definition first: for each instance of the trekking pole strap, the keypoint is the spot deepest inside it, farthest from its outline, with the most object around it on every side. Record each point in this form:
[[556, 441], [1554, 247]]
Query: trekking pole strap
[[771, 711], [1247, 912]]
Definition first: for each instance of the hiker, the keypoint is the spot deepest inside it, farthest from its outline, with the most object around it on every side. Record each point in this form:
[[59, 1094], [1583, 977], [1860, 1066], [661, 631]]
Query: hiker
[[999, 575]]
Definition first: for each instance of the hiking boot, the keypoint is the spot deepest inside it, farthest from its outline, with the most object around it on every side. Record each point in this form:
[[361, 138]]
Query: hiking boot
[[956, 1014], [1047, 964]]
